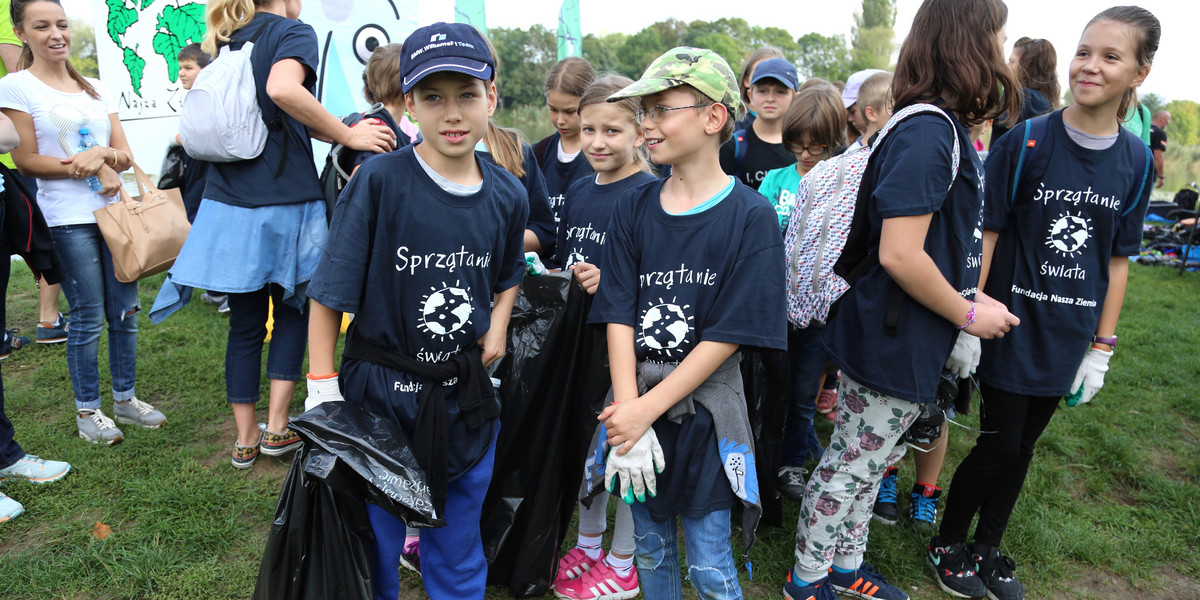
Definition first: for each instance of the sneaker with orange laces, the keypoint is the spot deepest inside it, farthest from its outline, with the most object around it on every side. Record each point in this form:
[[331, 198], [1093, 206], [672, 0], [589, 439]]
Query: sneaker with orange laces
[[574, 563], [601, 582]]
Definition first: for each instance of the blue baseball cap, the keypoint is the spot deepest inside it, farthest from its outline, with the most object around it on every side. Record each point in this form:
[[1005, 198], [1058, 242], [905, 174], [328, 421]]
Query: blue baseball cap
[[778, 69], [455, 47]]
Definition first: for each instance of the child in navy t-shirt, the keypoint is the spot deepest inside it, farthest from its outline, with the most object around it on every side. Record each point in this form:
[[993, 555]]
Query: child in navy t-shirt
[[559, 155], [428, 256], [611, 138], [1066, 196], [760, 146], [694, 270]]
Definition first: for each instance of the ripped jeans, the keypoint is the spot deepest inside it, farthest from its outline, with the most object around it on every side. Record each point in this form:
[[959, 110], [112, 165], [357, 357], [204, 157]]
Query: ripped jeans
[[709, 555], [95, 295]]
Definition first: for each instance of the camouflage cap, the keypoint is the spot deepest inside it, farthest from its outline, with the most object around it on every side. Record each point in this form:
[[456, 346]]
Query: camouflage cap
[[700, 68]]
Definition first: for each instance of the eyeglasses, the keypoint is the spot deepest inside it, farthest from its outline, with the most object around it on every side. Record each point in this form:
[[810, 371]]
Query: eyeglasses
[[658, 113], [814, 150]]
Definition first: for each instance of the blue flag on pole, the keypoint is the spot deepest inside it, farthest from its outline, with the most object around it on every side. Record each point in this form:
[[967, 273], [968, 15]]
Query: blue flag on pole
[[570, 34]]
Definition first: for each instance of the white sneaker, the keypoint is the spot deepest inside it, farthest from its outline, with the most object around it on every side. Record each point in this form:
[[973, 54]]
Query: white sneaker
[[97, 428], [37, 470], [9, 508], [136, 412]]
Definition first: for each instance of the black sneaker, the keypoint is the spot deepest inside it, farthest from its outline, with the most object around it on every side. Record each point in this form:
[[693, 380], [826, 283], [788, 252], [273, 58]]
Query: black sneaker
[[922, 506], [792, 482], [954, 569], [996, 571], [887, 511]]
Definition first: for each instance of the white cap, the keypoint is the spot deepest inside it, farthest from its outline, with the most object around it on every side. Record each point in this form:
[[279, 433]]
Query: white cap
[[850, 93]]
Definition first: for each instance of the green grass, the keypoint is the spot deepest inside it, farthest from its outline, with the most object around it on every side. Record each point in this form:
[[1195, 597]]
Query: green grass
[[1111, 508]]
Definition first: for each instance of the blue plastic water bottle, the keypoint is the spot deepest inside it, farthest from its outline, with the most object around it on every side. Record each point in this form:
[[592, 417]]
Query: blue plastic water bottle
[[87, 140]]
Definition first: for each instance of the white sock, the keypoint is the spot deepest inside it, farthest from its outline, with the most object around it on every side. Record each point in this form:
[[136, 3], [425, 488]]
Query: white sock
[[590, 544], [622, 566]]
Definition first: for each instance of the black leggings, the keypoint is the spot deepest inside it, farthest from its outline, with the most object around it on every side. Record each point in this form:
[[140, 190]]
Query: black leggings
[[989, 479]]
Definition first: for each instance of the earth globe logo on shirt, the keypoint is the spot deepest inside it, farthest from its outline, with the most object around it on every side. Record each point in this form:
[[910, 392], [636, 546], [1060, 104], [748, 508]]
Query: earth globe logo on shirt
[[445, 311], [1069, 234], [664, 327]]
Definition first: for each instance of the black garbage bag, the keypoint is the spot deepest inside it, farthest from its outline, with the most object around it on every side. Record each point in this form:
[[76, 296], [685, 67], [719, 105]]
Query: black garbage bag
[[321, 539], [553, 382], [766, 383], [171, 173]]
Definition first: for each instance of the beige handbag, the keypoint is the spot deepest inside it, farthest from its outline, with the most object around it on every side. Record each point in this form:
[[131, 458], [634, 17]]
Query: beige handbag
[[144, 234]]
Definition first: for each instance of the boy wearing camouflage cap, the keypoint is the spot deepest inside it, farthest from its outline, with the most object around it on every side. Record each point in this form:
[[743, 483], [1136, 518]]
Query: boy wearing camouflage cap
[[695, 271]]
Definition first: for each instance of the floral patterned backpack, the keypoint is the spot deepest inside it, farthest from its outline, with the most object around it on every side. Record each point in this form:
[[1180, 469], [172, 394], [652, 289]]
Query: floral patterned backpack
[[826, 200]]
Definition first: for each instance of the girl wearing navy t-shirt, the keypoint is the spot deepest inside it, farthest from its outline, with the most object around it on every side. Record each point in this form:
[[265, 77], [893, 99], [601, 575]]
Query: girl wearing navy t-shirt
[[896, 325], [259, 232], [559, 155], [612, 141], [1063, 213]]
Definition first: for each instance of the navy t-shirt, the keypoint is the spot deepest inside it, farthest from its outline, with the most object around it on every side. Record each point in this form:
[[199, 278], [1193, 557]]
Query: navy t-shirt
[[678, 280], [560, 175], [585, 218], [1050, 265], [252, 182], [419, 264], [350, 158], [682, 279], [541, 219], [761, 158], [913, 170]]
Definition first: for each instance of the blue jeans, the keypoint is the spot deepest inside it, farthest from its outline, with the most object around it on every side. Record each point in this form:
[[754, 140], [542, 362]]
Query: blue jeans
[[807, 362], [709, 555], [10, 450], [248, 328], [95, 295]]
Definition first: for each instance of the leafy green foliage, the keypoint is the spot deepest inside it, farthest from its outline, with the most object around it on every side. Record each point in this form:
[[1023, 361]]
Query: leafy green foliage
[[120, 17], [1154, 102], [178, 27], [83, 48], [872, 44], [823, 56], [1185, 122], [136, 66]]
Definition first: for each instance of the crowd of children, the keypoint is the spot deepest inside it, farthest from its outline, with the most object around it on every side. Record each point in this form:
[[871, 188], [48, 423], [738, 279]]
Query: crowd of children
[[685, 272]]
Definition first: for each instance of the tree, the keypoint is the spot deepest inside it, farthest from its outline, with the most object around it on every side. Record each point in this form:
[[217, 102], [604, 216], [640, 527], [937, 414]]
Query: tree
[[1153, 102], [526, 55], [823, 56], [602, 51], [871, 46], [1185, 122], [83, 48]]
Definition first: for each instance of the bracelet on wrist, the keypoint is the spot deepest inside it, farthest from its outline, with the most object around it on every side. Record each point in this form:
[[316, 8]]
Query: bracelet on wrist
[[1108, 341], [320, 377], [115, 159], [970, 317]]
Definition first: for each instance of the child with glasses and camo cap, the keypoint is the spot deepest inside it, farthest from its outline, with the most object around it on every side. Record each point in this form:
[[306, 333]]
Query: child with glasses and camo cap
[[694, 268]]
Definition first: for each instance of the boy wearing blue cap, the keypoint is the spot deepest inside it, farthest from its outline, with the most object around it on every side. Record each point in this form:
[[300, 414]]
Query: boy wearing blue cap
[[426, 249], [758, 149]]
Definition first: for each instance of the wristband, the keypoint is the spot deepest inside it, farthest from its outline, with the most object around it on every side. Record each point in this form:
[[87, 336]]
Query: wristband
[[319, 378], [970, 317], [1110, 341]]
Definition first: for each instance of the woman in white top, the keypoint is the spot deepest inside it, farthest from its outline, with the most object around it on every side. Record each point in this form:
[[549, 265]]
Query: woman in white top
[[58, 114]]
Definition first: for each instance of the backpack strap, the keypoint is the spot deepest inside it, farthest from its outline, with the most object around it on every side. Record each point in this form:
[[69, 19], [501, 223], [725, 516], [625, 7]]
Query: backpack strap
[[1036, 134], [351, 120], [739, 152], [1142, 154]]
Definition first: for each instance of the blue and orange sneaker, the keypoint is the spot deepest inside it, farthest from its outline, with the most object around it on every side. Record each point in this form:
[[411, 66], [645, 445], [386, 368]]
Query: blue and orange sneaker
[[866, 582], [818, 590]]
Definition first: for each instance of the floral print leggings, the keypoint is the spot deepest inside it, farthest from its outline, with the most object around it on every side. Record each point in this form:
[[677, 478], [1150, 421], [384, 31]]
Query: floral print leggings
[[836, 513]]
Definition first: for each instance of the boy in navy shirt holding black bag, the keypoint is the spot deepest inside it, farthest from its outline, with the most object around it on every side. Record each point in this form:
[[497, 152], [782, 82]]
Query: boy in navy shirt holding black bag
[[694, 271], [423, 241]]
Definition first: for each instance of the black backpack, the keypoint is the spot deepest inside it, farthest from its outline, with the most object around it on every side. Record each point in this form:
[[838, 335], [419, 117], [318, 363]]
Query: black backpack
[[335, 174]]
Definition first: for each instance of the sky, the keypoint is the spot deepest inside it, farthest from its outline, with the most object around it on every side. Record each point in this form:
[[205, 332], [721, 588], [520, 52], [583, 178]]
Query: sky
[[1173, 76]]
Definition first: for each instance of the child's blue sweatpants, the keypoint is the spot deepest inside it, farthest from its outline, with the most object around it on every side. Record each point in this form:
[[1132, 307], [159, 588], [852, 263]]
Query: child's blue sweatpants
[[452, 561]]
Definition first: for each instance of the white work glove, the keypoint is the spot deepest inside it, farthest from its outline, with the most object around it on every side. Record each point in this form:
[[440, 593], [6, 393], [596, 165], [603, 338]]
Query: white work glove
[[1090, 377], [636, 469], [964, 358], [322, 390]]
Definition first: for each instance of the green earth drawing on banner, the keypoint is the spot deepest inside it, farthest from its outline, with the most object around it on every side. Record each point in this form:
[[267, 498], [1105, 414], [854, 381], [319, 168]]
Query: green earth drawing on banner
[[176, 27]]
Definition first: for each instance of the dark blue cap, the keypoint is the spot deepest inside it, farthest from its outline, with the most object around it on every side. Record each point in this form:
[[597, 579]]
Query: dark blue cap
[[456, 47], [778, 69]]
